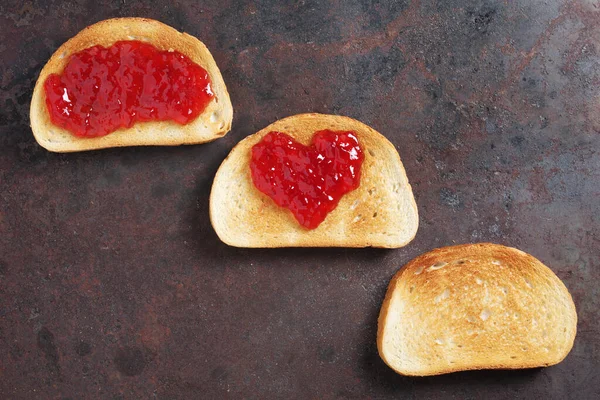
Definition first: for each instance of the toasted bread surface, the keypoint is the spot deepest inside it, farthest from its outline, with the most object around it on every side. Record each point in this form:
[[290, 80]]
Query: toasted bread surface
[[381, 212], [475, 306], [211, 124]]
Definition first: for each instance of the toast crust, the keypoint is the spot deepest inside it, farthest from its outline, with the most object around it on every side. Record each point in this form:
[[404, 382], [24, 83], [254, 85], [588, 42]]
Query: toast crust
[[475, 306], [212, 123], [381, 212]]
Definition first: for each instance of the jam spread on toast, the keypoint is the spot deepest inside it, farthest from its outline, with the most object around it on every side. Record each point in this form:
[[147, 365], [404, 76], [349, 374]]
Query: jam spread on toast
[[307, 180], [105, 89]]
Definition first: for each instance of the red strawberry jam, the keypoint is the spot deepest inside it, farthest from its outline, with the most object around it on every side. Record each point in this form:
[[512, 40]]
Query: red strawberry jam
[[308, 180], [104, 89]]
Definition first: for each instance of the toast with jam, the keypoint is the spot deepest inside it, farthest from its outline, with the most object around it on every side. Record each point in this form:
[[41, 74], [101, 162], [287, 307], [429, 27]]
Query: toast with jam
[[129, 82], [313, 180], [475, 306]]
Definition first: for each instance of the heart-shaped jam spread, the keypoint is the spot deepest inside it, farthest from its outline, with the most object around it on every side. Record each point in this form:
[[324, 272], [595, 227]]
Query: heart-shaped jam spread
[[307, 180], [104, 89]]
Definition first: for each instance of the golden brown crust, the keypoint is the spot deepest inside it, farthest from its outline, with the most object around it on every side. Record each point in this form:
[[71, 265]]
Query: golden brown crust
[[475, 306], [213, 123], [381, 213]]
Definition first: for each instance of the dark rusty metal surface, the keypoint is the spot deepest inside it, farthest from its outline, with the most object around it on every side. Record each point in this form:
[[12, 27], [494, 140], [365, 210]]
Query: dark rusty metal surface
[[113, 284]]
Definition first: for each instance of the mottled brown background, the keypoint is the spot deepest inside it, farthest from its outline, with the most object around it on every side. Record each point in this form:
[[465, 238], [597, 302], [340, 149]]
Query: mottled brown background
[[113, 284]]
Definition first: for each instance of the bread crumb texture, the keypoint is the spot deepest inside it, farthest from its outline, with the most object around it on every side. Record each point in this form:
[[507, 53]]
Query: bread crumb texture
[[476, 306]]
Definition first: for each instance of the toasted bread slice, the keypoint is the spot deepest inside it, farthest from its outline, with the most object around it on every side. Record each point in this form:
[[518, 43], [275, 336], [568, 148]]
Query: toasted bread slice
[[213, 123], [475, 306], [381, 212]]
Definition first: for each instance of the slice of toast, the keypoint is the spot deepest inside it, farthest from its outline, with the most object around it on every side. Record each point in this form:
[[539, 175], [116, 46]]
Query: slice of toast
[[213, 123], [475, 306], [381, 212]]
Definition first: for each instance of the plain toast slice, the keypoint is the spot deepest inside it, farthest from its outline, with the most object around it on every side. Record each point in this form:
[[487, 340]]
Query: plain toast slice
[[213, 123], [475, 306], [381, 212]]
